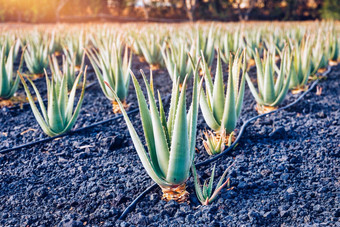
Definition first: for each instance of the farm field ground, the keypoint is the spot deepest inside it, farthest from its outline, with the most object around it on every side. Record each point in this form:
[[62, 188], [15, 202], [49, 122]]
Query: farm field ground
[[286, 170]]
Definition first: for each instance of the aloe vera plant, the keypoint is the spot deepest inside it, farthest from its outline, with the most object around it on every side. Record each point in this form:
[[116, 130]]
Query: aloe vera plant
[[74, 48], [334, 47], [36, 57], [60, 115], [134, 45], [221, 108], [68, 70], [9, 81], [205, 194], [171, 142], [272, 89], [110, 67], [252, 39], [319, 56], [229, 43], [151, 49], [203, 42], [177, 61], [9, 41], [302, 60]]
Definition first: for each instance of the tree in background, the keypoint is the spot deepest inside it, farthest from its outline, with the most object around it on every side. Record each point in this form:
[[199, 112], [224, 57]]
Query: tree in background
[[190, 6], [56, 10], [330, 9]]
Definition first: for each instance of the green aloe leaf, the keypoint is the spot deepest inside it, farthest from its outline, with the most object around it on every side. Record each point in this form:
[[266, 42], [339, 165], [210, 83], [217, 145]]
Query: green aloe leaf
[[161, 143], [139, 147], [218, 92], [180, 160]]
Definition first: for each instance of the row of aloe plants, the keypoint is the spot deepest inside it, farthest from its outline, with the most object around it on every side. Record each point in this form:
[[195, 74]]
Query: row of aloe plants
[[280, 65]]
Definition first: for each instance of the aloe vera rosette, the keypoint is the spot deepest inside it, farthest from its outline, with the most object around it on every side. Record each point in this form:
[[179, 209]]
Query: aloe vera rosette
[[36, 58], [271, 89], [60, 115], [67, 70], [171, 142], [205, 194], [110, 67], [177, 61], [9, 81], [221, 108], [302, 64]]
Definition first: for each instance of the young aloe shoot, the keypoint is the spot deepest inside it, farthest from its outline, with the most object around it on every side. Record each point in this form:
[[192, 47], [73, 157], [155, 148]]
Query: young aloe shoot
[[205, 194]]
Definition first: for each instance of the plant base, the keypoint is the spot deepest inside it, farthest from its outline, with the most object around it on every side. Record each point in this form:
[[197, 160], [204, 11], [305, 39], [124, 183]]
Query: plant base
[[201, 72], [155, 67], [77, 68], [298, 90], [322, 70], [215, 142], [261, 109], [36, 76], [333, 63], [57, 53], [141, 59], [179, 193], [20, 99], [251, 63], [116, 108]]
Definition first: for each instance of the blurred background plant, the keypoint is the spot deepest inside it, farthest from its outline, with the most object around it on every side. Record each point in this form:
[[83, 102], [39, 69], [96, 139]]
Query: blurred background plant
[[151, 10]]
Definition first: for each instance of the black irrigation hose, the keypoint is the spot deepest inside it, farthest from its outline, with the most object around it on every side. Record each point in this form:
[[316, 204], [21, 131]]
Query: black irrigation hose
[[226, 151], [70, 132], [65, 134]]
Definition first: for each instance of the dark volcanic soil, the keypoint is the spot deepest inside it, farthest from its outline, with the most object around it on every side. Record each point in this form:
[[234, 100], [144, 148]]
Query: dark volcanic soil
[[286, 171]]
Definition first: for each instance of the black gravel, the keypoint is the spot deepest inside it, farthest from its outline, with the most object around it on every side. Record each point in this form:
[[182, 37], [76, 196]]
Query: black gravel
[[286, 170]]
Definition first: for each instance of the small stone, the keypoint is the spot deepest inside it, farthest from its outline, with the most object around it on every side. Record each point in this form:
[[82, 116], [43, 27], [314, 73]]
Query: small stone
[[290, 190], [84, 155], [41, 192], [268, 214], [321, 114], [253, 215], [284, 176], [317, 208], [116, 142], [284, 213], [278, 133]]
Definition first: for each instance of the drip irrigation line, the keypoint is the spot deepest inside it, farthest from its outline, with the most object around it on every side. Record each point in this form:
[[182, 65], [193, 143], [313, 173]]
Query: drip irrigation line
[[136, 200], [72, 131], [245, 124], [226, 151], [66, 134]]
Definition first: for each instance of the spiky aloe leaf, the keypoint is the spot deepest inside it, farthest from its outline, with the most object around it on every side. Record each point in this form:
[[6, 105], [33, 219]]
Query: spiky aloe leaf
[[161, 144], [59, 116], [218, 92], [147, 164], [229, 114], [253, 90], [147, 126], [42, 122], [207, 113], [197, 184], [180, 159], [268, 83]]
